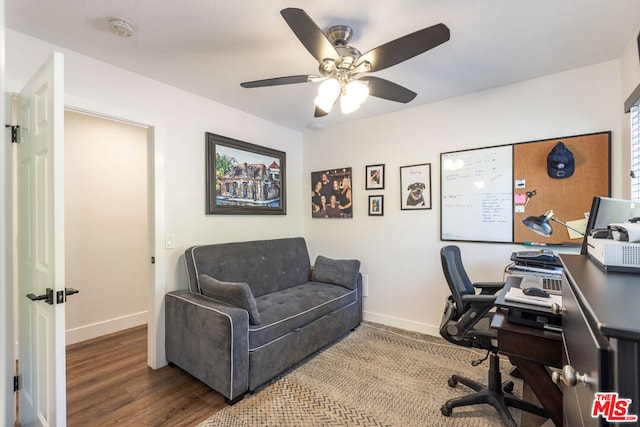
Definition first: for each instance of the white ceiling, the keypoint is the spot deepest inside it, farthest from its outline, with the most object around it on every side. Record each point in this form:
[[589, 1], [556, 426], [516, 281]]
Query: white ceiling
[[209, 46]]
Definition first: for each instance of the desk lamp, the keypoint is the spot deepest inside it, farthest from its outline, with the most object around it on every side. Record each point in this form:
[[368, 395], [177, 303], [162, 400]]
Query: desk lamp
[[540, 224]]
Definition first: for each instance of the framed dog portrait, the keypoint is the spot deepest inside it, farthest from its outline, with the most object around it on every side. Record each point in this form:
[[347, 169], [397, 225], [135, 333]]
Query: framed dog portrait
[[375, 177], [376, 205], [415, 187]]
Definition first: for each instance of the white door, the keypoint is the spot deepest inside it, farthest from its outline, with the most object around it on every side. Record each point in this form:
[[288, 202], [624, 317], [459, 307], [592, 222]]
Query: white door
[[40, 175]]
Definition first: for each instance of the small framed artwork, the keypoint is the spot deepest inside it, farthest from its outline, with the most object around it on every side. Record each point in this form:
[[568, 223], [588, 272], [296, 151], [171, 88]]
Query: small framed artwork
[[243, 178], [375, 177], [331, 193], [376, 205], [415, 187]]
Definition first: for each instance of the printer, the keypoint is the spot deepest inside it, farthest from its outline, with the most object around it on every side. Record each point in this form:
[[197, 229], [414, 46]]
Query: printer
[[616, 248]]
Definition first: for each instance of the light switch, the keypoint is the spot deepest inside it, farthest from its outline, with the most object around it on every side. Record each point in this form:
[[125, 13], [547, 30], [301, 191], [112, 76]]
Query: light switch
[[168, 241]]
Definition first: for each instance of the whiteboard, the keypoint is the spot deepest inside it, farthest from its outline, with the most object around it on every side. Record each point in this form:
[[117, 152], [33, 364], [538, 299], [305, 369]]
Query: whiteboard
[[477, 194]]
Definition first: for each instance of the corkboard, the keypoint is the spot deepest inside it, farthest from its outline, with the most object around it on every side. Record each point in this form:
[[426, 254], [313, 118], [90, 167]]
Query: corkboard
[[569, 198]]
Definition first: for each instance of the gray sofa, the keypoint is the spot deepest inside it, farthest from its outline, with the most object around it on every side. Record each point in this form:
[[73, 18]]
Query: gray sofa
[[254, 309]]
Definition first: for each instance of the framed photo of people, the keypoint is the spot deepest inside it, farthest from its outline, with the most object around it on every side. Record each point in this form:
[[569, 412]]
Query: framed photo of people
[[375, 177], [331, 193], [244, 178], [415, 187]]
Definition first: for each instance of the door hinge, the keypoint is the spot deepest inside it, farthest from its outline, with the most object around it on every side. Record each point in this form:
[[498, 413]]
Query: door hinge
[[153, 260], [14, 132], [16, 383]]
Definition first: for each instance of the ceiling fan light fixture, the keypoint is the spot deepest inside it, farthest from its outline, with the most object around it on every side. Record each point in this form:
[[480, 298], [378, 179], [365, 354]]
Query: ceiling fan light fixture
[[342, 64], [328, 92], [355, 93], [356, 90]]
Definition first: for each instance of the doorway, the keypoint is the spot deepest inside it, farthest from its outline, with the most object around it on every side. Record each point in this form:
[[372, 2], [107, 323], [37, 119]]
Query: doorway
[[107, 225]]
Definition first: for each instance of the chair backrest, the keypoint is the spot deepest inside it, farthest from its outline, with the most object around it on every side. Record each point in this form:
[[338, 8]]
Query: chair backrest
[[464, 323], [456, 276]]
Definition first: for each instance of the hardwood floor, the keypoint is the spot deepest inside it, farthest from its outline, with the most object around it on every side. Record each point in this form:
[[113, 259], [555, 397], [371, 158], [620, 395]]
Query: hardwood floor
[[109, 383]]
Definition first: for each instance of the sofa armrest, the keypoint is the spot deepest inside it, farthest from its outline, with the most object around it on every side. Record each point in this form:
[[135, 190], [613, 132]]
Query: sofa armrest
[[209, 340]]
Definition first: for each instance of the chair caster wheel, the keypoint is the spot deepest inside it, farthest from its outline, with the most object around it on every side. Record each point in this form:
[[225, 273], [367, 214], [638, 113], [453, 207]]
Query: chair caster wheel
[[445, 411], [508, 387], [452, 383]]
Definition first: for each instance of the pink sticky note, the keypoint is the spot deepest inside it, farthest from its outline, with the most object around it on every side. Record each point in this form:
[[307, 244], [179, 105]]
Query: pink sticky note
[[519, 198]]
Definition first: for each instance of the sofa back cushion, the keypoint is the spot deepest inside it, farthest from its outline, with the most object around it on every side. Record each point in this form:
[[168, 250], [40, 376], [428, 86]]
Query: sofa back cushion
[[265, 265], [343, 272]]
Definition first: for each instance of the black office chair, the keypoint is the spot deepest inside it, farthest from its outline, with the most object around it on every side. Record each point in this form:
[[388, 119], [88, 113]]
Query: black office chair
[[467, 322]]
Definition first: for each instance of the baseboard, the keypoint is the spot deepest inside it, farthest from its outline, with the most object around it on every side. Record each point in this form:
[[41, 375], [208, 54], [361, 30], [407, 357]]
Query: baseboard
[[397, 322], [105, 327]]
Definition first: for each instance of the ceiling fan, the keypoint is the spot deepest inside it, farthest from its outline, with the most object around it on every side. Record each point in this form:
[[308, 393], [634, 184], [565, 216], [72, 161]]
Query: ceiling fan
[[341, 66]]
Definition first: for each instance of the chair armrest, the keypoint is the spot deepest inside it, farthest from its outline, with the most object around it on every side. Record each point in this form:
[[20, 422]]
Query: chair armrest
[[209, 340], [479, 306], [479, 300], [488, 288]]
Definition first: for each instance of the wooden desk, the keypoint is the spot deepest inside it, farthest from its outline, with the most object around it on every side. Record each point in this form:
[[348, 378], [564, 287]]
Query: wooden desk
[[531, 350], [601, 337]]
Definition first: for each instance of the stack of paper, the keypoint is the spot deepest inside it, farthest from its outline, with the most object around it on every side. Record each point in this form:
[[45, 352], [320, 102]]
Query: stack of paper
[[516, 295]]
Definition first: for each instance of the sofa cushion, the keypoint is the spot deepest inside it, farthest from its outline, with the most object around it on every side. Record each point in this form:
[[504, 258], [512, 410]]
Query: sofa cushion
[[292, 308], [342, 272], [265, 265], [236, 294]]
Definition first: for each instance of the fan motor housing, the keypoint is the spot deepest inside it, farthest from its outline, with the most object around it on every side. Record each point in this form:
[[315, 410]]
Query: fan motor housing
[[339, 35]]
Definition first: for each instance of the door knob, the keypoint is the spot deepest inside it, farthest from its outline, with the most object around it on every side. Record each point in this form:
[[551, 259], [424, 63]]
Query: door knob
[[48, 297], [61, 296]]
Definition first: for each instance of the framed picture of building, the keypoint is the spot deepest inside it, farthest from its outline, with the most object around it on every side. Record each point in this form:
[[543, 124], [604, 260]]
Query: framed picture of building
[[331, 193], [244, 178]]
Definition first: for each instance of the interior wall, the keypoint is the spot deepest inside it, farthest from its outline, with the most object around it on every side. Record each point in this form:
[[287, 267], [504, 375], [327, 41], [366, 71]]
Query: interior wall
[[6, 292], [630, 72], [630, 76], [400, 250], [180, 120], [106, 225]]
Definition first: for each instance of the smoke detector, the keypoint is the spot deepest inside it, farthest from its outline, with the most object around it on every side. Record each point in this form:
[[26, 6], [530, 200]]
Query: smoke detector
[[121, 26]]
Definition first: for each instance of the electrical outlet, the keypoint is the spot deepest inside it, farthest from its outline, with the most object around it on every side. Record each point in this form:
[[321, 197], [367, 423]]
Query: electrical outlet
[[365, 285]]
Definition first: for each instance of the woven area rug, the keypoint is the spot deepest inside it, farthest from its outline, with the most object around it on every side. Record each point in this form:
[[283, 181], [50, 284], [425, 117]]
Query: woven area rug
[[375, 376]]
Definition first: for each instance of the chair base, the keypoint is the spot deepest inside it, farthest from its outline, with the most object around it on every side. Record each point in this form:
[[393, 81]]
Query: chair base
[[496, 394]]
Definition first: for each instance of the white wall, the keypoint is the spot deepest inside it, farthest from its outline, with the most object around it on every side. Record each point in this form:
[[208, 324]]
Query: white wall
[[400, 251], [630, 68], [630, 80], [179, 121], [7, 362], [106, 225]]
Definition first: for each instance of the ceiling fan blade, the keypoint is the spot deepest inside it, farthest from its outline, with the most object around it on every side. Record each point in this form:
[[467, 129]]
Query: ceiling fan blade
[[385, 89], [319, 112], [277, 81], [405, 47], [309, 34]]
